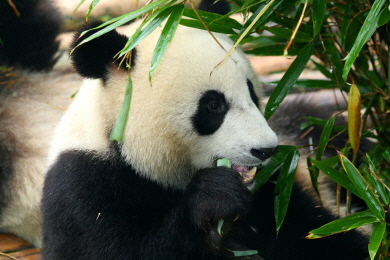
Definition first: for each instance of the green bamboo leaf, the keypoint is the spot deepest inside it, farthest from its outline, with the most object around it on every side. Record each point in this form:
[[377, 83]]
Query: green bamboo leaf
[[314, 83], [313, 176], [116, 22], [370, 180], [166, 37], [384, 248], [273, 50], [353, 27], [378, 186], [245, 253], [376, 153], [279, 6], [214, 27], [245, 32], [364, 190], [322, 123], [264, 16], [325, 137], [337, 176], [262, 41], [332, 161], [284, 187], [323, 70], [336, 65], [376, 238], [212, 18], [307, 28], [248, 2], [381, 103], [111, 21], [78, 6], [92, 5], [117, 132], [388, 70], [309, 83], [386, 154], [286, 34], [347, 8], [319, 8], [364, 35], [142, 32], [244, 9], [344, 224], [74, 94], [384, 17], [226, 163], [274, 164], [288, 80], [344, 151], [219, 226], [354, 118]]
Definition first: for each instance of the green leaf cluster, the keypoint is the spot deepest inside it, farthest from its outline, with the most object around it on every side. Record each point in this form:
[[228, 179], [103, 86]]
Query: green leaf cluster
[[372, 190]]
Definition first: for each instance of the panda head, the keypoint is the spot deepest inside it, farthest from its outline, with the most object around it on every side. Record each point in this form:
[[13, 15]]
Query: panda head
[[190, 115]]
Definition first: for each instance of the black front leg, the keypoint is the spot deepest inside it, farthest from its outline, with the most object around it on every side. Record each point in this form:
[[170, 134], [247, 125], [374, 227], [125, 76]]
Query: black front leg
[[101, 208]]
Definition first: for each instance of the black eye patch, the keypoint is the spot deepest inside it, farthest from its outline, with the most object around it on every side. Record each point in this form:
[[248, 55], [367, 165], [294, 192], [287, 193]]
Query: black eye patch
[[254, 98], [212, 108]]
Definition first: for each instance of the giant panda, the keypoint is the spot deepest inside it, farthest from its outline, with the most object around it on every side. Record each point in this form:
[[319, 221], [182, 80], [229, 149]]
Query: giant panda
[[168, 158], [159, 194]]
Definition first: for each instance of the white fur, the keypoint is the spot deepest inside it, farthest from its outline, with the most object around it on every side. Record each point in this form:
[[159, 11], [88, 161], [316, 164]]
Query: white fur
[[28, 118], [159, 139], [83, 126]]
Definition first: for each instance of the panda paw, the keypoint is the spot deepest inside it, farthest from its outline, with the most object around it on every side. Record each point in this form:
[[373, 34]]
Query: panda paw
[[215, 194]]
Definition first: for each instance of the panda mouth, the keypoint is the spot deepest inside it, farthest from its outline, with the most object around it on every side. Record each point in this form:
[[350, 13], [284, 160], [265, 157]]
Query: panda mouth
[[247, 173]]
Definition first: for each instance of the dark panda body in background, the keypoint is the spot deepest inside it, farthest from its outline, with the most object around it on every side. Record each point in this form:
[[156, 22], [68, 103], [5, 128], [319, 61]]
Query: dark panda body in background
[[33, 97], [101, 202], [29, 40]]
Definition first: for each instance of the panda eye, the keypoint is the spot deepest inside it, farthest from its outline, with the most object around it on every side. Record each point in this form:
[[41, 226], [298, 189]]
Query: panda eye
[[211, 112], [215, 106]]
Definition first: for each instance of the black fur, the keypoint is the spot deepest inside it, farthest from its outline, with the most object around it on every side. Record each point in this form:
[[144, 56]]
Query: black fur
[[220, 7], [303, 215], [138, 219], [212, 109], [254, 97], [95, 208], [29, 41], [92, 59]]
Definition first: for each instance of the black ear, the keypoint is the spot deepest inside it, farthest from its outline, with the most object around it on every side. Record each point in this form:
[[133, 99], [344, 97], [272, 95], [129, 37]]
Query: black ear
[[220, 7], [92, 59]]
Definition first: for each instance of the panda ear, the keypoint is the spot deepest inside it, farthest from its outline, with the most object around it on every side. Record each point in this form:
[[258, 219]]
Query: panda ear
[[92, 59], [220, 7]]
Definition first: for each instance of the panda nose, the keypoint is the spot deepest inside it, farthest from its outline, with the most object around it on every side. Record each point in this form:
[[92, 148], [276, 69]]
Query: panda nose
[[265, 153]]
